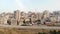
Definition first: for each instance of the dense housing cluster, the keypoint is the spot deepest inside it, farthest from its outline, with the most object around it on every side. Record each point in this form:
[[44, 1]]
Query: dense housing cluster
[[30, 18]]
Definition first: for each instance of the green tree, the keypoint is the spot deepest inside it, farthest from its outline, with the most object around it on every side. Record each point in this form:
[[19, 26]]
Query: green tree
[[9, 22], [44, 33], [58, 32], [40, 33], [53, 32]]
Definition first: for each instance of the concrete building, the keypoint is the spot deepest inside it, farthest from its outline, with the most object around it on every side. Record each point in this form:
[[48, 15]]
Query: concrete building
[[17, 15], [3, 20], [46, 14], [13, 21], [33, 18], [21, 20]]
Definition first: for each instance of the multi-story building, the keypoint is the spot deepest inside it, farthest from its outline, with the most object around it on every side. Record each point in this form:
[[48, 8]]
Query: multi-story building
[[46, 14], [3, 20], [18, 18], [13, 21], [17, 15]]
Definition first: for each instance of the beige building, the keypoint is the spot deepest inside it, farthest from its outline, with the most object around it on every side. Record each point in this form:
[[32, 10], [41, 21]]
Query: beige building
[[21, 20], [46, 14], [13, 21], [3, 20], [53, 19], [34, 17], [17, 15], [39, 15]]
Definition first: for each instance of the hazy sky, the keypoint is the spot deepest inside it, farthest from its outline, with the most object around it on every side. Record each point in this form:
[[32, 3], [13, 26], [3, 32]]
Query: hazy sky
[[41, 5]]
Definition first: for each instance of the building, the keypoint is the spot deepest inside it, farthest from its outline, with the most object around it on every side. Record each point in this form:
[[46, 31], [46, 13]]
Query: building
[[3, 20], [17, 15], [46, 14], [13, 21]]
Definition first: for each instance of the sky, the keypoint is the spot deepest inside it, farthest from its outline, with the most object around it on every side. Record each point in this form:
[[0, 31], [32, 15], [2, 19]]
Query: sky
[[29, 5]]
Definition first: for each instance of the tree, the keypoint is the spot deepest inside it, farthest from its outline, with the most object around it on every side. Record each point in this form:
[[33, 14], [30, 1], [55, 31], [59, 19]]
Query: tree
[[24, 21], [44, 33], [9, 22], [58, 32], [38, 21], [53, 32], [39, 33], [30, 21]]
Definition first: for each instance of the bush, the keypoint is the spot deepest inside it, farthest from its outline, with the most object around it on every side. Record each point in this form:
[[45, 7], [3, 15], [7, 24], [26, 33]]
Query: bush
[[53, 32], [39, 33]]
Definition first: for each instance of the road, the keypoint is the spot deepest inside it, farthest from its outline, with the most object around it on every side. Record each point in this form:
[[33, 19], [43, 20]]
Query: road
[[29, 27]]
